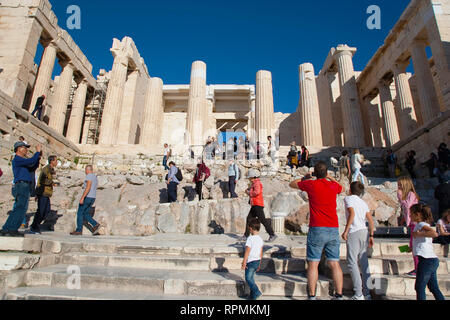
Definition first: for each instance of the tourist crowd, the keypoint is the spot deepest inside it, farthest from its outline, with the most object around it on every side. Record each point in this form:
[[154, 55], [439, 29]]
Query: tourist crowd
[[322, 190]]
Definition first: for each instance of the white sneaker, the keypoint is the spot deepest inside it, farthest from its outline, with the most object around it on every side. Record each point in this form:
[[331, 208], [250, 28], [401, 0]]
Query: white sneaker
[[361, 298]]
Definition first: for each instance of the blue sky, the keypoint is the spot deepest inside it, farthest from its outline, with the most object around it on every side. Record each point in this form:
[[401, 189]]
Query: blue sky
[[236, 38]]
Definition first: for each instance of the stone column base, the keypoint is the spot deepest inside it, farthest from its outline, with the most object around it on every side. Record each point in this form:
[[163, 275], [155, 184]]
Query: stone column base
[[278, 225]]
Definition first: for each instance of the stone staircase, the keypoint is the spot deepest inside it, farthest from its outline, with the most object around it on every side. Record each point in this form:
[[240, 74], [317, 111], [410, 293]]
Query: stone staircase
[[374, 155], [176, 267]]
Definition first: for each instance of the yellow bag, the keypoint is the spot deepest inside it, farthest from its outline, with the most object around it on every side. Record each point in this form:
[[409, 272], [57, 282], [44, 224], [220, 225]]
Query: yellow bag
[[398, 172]]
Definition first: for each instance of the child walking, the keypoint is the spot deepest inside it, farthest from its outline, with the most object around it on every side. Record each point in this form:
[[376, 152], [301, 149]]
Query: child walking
[[423, 236], [408, 197], [358, 238], [252, 258]]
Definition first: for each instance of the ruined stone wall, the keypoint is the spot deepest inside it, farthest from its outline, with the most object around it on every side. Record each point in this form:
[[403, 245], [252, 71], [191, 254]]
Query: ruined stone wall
[[15, 122], [23, 23], [173, 130], [289, 128], [425, 141]]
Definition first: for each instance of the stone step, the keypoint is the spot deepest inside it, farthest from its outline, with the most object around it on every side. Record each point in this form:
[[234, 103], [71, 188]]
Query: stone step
[[20, 244], [389, 285], [111, 245], [10, 261], [135, 261], [191, 246], [387, 249], [395, 265], [199, 283], [214, 263], [46, 293]]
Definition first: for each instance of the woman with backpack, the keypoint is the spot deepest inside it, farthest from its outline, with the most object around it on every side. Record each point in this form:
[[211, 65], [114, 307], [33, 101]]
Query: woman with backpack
[[345, 169], [233, 177], [202, 173], [173, 180]]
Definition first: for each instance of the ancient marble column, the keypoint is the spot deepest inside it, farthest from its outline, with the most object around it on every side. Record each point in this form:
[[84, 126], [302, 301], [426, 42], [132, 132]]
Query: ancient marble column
[[309, 107], [351, 110], [210, 129], [61, 98], [76, 117], [264, 110], [429, 101], [127, 132], [197, 108], [373, 114], [153, 114], [408, 119], [114, 100], [389, 117], [251, 132], [45, 72]]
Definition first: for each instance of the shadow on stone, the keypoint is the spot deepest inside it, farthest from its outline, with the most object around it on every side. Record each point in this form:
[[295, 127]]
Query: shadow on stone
[[189, 193], [220, 268], [163, 196], [217, 228]]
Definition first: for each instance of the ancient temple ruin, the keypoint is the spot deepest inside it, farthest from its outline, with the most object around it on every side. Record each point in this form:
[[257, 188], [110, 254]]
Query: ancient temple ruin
[[381, 106]]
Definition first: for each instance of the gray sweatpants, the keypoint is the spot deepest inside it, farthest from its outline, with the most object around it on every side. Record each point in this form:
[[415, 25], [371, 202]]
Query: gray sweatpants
[[357, 244]]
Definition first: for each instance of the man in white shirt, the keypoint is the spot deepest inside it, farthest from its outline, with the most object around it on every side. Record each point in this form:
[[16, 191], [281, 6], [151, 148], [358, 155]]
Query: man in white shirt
[[356, 235], [357, 161]]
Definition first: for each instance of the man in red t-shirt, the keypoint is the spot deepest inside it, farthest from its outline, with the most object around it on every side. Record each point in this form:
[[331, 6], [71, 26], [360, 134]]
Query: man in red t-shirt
[[324, 226]]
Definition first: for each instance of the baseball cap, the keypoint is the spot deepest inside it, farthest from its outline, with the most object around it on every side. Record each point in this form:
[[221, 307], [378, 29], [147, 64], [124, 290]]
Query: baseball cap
[[19, 144], [253, 174]]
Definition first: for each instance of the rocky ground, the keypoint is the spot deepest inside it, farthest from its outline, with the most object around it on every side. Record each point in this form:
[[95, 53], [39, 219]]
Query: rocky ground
[[135, 204]]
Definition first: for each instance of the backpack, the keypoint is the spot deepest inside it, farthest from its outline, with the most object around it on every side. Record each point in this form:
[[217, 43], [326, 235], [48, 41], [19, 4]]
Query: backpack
[[239, 170], [207, 173], [179, 175]]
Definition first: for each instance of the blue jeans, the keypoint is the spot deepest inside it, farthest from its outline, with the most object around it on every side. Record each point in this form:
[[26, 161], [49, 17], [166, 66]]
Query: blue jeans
[[357, 175], [320, 239], [39, 112], [21, 194], [165, 163], [250, 279], [427, 276], [84, 215]]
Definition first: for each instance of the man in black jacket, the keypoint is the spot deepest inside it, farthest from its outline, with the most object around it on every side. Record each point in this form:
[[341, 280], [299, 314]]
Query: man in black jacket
[[39, 106]]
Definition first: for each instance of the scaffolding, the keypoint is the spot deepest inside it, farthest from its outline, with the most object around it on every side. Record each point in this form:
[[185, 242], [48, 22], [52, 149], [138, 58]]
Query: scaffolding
[[94, 113]]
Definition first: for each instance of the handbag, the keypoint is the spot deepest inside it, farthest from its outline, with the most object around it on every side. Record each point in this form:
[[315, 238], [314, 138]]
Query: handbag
[[1, 173]]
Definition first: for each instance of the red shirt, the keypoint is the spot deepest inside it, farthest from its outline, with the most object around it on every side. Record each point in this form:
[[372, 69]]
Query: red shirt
[[322, 195]]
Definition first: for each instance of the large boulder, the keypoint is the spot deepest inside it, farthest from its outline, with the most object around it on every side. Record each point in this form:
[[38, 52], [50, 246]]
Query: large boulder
[[167, 223], [384, 213]]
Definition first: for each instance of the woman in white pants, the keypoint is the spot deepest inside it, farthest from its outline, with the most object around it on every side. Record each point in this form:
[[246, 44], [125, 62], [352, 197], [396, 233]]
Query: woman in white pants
[[357, 161]]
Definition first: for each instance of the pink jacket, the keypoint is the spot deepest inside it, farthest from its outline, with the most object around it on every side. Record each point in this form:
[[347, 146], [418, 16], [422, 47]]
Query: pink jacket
[[410, 201]]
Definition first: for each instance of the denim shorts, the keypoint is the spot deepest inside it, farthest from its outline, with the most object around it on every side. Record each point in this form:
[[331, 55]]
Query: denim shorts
[[320, 239]]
